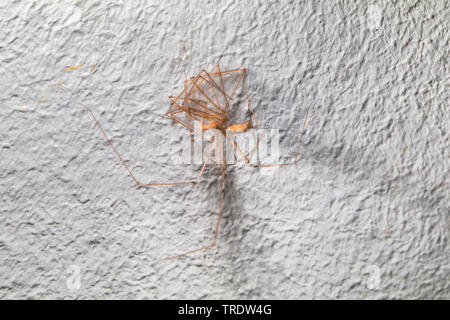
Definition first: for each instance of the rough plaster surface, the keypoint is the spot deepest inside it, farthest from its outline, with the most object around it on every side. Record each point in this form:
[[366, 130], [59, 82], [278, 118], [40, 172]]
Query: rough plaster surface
[[364, 213]]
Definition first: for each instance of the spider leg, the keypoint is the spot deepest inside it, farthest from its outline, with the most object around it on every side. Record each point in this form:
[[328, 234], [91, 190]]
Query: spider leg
[[139, 184], [298, 149], [214, 242]]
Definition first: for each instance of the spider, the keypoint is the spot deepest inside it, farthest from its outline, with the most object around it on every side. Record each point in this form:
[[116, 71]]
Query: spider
[[205, 99]]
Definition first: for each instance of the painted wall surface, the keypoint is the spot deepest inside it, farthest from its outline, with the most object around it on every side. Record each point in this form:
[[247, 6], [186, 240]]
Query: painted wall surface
[[363, 214]]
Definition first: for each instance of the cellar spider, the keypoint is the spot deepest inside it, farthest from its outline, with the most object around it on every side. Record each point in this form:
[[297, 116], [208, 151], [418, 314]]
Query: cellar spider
[[205, 99]]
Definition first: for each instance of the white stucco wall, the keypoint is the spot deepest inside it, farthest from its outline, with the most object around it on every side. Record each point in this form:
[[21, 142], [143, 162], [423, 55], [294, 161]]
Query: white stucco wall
[[364, 213]]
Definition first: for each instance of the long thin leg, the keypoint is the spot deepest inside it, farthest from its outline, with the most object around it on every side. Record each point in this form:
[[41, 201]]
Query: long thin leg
[[190, 83], [213, 244], [252, 115], [172, 115], [215, 85], [239, 151], [216, 234], [245, 156], [227, 103], [259, 134], [243, 74], [128, 169], [298, 149]]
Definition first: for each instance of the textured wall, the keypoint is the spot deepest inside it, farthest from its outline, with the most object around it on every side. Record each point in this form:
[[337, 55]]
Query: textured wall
[[364, 213]]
